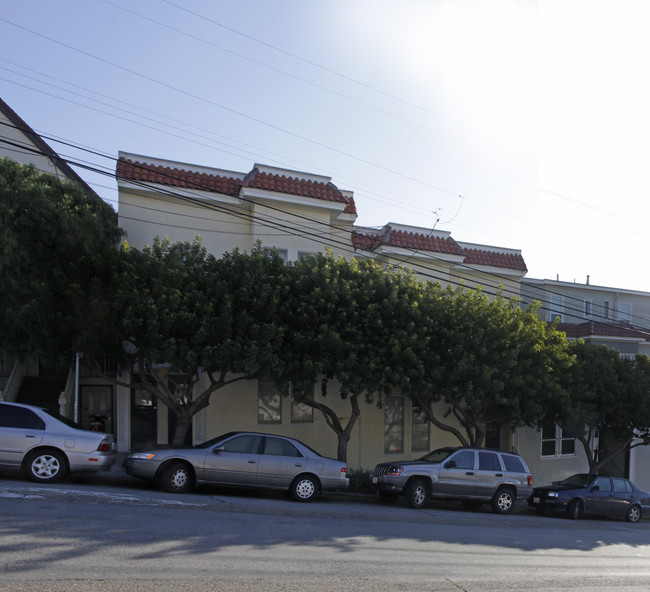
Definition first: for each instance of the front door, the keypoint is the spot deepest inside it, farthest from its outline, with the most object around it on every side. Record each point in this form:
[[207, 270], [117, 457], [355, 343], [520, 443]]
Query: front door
[[234, 462], [96, 400]]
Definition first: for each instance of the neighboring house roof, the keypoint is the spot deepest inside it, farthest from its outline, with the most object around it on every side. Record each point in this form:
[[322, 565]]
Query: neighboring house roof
[[393, 235], [231, 183], [604, 330], [42, 147]]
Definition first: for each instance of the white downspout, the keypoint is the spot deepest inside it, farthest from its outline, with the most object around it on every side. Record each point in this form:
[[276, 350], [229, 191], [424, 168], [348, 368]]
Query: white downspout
[[76, 388]]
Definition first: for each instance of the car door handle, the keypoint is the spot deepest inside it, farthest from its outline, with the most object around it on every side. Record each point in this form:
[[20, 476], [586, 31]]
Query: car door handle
[[299, 465], [251, 461], [469, 473], [499, 475], [30, 435]]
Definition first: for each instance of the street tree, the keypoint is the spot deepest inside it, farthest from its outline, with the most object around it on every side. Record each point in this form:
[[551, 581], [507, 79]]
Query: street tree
[[607, 407], [55, 240], [491, 364], [344, 321], [185, 324]]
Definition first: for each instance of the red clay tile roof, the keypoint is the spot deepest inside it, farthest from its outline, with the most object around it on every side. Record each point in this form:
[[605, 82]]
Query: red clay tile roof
[[596, 329], [495, 259], [437, 244], [175, 177]]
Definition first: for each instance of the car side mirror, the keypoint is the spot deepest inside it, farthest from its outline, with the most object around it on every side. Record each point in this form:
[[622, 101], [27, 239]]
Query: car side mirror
[[450, 464], [595, 488], [217, 450]]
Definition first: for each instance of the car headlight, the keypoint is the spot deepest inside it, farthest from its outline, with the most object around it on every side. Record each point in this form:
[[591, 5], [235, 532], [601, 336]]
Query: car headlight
[[395, 471], [552, 494], [142, 455]]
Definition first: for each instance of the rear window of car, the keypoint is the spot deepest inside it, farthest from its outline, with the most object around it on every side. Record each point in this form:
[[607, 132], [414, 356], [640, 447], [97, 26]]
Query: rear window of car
[[513, 464], [20, 417]]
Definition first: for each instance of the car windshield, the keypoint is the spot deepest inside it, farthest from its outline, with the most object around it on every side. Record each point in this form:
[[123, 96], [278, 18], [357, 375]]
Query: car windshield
[[437, 456], [579, 480]]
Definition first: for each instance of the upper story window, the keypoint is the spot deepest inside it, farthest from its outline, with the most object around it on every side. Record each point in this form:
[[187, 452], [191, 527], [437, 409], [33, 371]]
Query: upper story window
[[587, 308], [556, 309], [606, 312], [284, 253], [624, 312]]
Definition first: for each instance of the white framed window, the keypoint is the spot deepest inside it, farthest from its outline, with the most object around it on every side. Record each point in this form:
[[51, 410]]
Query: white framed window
[[303, 254], [587, 308], [624, 312], [556, 442], [269, 402], [419, 431], [606, 312], [556, 308], [394, 424]]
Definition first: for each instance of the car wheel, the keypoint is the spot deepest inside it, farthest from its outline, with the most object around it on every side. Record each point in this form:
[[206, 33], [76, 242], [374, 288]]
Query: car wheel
[[416, 493], [46, 466], [177, 478], [387, 497], [304, 488], [633, 514], [574, 510], [503, 501]]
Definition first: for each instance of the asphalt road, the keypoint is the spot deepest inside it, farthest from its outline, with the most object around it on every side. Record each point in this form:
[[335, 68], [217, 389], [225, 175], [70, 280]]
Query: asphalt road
[[122, 534]]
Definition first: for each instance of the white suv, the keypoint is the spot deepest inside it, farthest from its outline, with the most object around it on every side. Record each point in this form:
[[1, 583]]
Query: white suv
[[473, 475]]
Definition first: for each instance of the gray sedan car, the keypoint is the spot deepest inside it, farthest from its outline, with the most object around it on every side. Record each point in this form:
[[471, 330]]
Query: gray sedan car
[[242, 459], [47, 446]]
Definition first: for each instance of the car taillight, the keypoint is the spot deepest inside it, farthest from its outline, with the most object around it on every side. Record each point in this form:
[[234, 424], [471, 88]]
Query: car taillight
[[530, 480], [104, 446], [344, 470]]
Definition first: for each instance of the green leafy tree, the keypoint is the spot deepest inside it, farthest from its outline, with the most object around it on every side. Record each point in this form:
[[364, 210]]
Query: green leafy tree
[[185, 324], [55, 240], [491, 363], [609, 398], [344, 321]]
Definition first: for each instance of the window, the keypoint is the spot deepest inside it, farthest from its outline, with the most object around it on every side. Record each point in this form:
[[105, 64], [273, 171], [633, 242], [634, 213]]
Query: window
[[624, 315], [280, 447], [513, 464], [283, 253], [269, 402], [556, 308], [587, 308], [301, 412], [419, 431], [464, 459], [394, 424], [304, 254], [246, 444], [603, 484], [620, 485], [606, 309], [555, 442], [488, 461], [20, 417]]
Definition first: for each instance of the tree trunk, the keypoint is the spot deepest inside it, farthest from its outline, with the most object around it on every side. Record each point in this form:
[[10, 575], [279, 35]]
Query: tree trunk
[[183, 426]]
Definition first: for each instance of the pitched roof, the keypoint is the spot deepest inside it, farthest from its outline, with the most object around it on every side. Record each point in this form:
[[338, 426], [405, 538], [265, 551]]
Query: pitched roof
[[43, 147], [435, 242], [231, 183], [596, 329]]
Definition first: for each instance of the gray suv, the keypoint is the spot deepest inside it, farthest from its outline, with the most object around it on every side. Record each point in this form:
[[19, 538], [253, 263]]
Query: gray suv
[[473, 475]]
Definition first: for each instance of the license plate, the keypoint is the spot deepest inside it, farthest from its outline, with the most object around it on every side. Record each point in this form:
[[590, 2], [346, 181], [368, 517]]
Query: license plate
[[536, 500], [374, 480]]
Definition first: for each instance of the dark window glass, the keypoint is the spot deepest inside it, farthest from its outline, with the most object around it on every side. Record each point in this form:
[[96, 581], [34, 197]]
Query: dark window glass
[[488, 461], [603, 484], [513, 464], [464, 459], [619, 485], [279, 447], [247, 444], [19, 417]]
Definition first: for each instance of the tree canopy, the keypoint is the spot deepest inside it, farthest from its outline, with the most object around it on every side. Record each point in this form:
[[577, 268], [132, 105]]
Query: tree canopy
[[55, 239]]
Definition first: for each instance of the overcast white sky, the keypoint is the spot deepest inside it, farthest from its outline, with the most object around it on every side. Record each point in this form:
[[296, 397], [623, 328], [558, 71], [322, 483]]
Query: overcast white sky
[[512, 123]]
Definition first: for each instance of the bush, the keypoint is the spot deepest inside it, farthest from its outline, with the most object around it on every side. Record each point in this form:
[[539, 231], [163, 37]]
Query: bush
[[360, 481]]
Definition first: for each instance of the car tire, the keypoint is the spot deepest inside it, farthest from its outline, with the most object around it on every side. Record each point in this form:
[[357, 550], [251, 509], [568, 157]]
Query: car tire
[[574, 510], [503, 500], [388, 497], [177, 478], [46, 466], [634, 513], [304, 488], [416, 493]]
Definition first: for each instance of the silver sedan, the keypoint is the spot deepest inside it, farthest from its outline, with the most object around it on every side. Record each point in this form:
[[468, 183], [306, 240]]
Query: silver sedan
[[242, 459], [47, 446]]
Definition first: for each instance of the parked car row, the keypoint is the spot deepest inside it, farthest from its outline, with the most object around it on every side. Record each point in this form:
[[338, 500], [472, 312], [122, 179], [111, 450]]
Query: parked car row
[[47, 447]]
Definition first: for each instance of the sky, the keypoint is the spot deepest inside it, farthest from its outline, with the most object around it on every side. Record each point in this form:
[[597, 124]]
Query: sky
[[512, 123]]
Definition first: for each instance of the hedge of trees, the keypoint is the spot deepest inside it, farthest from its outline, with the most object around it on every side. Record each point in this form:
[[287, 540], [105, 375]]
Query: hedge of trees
[[172, 315]]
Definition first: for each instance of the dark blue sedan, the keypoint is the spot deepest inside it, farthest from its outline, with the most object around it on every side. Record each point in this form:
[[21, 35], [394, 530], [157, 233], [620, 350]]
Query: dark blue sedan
[[584, 494]]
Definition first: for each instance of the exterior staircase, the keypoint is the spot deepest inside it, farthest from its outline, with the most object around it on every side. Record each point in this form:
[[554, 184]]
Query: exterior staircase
[[42, 391]]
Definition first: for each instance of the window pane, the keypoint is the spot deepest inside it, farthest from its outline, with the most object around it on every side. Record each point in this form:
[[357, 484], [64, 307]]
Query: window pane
[[394, 424], [419, 431], [464, 459], [488, 461], [301, 413], [548, 447], [279, 447], [568, 446], [513, 464], [244, 444], [269, 402]]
